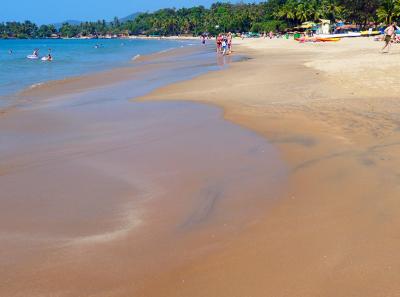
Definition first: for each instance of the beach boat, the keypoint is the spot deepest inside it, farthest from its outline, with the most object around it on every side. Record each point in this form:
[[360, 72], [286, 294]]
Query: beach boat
[[372, 33], [340, 35], [329, 39], [317, 39], [305, 39], [46, 59]]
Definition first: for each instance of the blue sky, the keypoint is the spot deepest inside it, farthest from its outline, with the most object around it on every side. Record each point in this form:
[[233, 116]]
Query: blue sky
[[47, 11]]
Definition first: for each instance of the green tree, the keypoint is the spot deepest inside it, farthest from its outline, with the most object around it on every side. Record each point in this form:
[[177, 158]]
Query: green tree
[[68, 30], [388, 10]]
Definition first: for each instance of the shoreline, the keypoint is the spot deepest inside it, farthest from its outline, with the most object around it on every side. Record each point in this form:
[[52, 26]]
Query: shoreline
[[101, 191], [335, 122], [131, 53], [83, 82], [333, 230]]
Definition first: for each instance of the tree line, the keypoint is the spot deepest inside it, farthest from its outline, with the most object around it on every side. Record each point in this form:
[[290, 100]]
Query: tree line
[[273, 15]]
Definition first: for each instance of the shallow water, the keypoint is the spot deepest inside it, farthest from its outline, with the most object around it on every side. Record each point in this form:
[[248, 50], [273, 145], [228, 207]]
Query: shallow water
[[99, 191], [71, 58]]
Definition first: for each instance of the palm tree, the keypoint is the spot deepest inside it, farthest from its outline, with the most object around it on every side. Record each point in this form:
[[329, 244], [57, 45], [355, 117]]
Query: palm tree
[[303, 11], [388, 10], [331, 9], [288, 11]]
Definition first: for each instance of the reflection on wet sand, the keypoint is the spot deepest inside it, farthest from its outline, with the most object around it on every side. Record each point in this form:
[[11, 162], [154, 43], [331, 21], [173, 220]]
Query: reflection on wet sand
[[99, 193]]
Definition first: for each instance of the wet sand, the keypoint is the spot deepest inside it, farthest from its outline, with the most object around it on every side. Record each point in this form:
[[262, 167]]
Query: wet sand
[[333, 112], [330, 228], [101, 195]]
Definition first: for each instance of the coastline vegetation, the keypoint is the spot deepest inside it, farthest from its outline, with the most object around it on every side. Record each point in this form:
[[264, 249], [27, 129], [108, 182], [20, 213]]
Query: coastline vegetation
[[274, 15]]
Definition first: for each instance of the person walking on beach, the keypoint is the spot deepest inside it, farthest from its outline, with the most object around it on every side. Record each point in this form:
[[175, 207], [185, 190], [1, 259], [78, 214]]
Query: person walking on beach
[[390, 33]]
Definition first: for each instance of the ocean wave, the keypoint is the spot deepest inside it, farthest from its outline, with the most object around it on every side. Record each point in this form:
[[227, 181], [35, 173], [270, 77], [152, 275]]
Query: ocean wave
[[166, 50], [36, 85]]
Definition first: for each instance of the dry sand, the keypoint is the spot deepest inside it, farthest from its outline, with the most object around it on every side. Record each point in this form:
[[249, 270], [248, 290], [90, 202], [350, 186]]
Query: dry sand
[[332, 109]]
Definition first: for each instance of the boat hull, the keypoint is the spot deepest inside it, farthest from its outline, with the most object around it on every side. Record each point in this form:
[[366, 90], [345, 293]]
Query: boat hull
[[350, 34]]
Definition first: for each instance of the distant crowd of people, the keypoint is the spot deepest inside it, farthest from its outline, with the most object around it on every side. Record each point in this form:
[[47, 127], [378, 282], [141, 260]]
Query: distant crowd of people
[[224, 43]]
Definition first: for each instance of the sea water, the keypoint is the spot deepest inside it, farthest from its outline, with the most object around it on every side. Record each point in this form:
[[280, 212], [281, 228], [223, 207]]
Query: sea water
[[72, 57]]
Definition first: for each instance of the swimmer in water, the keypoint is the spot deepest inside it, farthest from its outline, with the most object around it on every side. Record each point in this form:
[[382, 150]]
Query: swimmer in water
[[10, 52]]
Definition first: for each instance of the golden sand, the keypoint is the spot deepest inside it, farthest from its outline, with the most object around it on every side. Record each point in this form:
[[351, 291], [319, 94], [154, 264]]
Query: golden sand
[[333, 111], [330, 109]]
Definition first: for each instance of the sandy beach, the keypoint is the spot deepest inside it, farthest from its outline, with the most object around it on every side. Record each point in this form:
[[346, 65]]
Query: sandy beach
[[100, 193], [332, 110], [295, 194]]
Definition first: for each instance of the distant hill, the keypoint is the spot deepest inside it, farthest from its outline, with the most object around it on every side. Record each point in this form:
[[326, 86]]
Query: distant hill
[[130, 17]]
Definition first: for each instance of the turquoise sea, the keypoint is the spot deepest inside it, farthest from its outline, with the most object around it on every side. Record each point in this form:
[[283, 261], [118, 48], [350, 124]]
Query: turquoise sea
[[71, 58]]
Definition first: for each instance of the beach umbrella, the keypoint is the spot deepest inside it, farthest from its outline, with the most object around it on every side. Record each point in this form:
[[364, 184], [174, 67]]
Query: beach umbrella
[[308, 25]]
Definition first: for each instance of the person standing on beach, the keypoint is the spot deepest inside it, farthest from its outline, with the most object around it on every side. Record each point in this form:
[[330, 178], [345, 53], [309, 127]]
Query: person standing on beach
[[224, 45], [390, 33], [219, 43], [229, 43], [203, 39]]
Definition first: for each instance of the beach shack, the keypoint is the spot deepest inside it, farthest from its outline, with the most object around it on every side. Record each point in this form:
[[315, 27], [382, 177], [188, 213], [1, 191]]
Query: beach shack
[[309, 28], [306, 28]]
